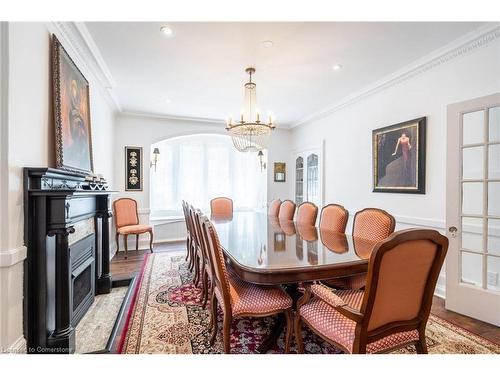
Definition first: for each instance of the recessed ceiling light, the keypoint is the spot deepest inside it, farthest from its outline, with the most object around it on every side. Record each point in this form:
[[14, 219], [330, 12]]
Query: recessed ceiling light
[[167, 31], [168, 101], [267, 43], [337, 67]]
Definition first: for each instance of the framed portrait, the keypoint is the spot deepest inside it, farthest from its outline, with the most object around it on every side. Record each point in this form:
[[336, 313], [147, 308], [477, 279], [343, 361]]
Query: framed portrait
[[71, 103], [399, 158], [279, 172], [133, 168]]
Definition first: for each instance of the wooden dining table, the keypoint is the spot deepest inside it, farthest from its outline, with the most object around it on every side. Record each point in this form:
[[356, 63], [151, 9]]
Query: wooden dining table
[[263, 250]]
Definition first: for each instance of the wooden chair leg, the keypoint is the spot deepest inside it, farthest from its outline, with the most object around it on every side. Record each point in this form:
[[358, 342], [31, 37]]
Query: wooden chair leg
[[187, 249], [214, 322], [117, 242], [289, 329], [151, 241], [125, 238], [298, 333], [205, 287], [226, 333], [137, 242], [421, 345], [196, 279]]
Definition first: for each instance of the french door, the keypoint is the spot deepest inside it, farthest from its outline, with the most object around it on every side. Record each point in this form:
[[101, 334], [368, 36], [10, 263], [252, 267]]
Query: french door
[[473, 208], [309, 176]]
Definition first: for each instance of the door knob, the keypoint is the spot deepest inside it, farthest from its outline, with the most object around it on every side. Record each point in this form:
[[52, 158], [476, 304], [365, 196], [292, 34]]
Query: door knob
[[453, 231]]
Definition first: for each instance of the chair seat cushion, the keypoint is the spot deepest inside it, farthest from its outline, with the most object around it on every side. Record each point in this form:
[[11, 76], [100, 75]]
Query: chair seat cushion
[[330, 323], [250, 299], [134, 229]]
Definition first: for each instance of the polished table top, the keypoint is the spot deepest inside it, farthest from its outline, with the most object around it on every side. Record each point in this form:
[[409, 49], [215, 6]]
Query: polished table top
[[264, 250]]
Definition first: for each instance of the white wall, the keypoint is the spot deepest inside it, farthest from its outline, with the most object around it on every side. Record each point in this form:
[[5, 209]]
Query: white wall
[[348, 135], [30, 144], [143, 131]]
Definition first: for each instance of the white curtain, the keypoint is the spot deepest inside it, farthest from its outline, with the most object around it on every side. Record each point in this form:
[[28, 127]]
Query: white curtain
[[198, 168]]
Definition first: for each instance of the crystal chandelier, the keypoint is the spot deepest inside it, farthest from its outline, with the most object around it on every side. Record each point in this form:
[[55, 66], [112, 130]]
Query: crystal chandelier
[[250, 134]]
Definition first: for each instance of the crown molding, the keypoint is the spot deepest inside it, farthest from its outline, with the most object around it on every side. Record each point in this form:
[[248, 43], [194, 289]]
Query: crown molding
[[461, 46], [172, 117], [76, 37]]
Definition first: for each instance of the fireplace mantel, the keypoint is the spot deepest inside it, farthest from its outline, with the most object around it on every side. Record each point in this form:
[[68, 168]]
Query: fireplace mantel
[[56, 205]]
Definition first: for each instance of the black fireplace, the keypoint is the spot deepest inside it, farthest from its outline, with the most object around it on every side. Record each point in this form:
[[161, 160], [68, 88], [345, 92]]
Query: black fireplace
[[67, 236]]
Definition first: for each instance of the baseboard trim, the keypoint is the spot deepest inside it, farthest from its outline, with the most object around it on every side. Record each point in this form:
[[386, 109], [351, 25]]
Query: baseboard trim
[[11, 257]]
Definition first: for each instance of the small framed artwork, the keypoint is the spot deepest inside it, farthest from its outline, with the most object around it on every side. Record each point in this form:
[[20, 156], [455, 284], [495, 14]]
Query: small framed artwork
[[71, 104], [279, 172], [133, 168], [399, 158]]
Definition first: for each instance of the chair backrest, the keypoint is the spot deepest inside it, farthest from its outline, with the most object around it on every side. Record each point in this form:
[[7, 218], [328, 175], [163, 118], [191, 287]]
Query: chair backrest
[[373, 223], [274, 208], [196, 234], [307, 232], [334, 217], [221, 277], [184, 210], [221, 206], [125, 211], [307, 213], [203, 241], [287, 210], [402, 275]]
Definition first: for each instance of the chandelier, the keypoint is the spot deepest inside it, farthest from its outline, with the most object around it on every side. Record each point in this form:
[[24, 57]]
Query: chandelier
[[250, 134]]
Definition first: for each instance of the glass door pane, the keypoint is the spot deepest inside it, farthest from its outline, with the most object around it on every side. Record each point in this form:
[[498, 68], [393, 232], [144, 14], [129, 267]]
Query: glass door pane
[[312, 179], [299, 180]]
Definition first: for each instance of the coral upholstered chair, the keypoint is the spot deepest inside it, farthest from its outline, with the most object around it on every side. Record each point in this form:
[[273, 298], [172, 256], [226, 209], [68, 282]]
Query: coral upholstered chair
[[393, 310], [241, 299], [274, 208], [334, 217], [221, 207], [287, 210], [371, 224], [127, 222], [307, 214]]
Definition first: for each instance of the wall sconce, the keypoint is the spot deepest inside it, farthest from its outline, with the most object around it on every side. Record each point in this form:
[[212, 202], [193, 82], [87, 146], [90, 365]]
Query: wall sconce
[[262, 164], [156, 152]]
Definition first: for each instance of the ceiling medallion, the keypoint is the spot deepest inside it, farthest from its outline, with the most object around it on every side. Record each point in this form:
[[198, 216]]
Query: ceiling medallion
[[250, 134]]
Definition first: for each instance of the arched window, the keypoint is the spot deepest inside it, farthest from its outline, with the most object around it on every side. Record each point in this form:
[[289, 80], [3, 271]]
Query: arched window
[[200, 167]]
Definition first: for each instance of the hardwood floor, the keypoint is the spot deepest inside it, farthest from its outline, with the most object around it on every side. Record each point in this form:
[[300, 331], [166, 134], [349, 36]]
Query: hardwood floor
[[124, 268]]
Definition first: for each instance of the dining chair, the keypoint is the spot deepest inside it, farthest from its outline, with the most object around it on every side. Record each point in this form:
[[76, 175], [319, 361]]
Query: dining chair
[[241, 299], [206, 270], [334, 217], [372, 224], [307, 213], [287, 210], [127, 223], [188, 233], [274, 208], [221, 207], [392, 311], [198, 251]]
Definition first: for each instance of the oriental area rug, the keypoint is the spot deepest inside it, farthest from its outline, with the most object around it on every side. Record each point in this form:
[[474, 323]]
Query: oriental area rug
[[166, 317]]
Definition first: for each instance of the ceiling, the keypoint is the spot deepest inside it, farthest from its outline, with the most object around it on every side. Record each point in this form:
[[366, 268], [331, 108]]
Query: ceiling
[[199, 72]]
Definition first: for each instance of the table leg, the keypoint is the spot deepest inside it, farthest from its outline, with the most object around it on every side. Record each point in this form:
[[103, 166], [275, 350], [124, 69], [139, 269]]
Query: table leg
[[278, 326]]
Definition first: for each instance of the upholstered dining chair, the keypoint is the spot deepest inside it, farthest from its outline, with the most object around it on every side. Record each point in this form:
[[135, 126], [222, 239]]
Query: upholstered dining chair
[[189, 239], [287, 210], [127, 223], [392, 311], [334, 217], [307, 213], [241, 299], [274, 208], [372, 224], [221, 207], [205, 268]]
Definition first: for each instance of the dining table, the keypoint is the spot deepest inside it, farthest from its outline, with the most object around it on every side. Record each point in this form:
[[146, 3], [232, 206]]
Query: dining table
[[265, 250]]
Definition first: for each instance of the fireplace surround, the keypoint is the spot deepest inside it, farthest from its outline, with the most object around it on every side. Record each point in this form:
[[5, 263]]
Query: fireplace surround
[[67, 237]]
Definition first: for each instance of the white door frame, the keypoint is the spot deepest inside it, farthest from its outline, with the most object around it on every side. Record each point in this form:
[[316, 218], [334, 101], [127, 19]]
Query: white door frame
[[461, 297]]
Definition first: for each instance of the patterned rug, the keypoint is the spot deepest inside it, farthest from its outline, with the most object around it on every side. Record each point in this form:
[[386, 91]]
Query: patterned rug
[[166, 317]]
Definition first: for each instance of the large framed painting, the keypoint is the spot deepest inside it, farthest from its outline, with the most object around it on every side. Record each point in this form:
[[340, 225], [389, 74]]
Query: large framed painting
[[71, 113], [133, 168], [399, 158]]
